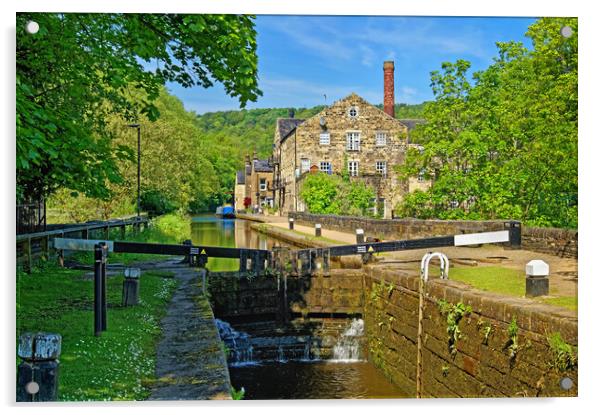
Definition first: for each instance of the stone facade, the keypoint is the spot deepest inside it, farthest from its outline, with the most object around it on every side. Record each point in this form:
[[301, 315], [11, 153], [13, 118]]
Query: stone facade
[[322, 143], [240, 191], [258, 185]]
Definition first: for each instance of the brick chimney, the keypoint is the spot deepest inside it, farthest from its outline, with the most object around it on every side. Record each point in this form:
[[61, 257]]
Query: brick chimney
[[389, 98]]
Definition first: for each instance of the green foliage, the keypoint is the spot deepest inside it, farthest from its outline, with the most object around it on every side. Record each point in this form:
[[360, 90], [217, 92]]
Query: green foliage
[[453, 313], [512, 344], [155, 203], [331, 194], [565, 358], [504, 146], [120, 365], [81, 69], [237, 395]]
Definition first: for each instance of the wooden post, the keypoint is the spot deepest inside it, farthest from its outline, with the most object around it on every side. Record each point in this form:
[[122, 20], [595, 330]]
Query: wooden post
[[131, 287], [100, 288], [122, 227], [29, 258], [37, 374], [243, 261]]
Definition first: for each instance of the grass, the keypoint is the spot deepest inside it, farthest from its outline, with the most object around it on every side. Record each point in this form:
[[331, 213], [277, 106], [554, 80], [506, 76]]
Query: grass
[[120, 364], [167, 229], [504, 281]]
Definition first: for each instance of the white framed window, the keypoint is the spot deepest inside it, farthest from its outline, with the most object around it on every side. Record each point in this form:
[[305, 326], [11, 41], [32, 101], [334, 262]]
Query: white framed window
[[263, 185], [325, 139], [381, 167], [326, 167], [353, 141], [305, 165], [353, 112], [381, 139], [353, 168]]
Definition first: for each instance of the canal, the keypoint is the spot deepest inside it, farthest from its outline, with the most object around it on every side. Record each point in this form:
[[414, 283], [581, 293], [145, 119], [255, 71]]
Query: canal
[[287, 375]]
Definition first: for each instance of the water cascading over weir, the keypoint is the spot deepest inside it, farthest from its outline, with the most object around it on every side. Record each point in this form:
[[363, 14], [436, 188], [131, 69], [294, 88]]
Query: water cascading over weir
[[278, 318]]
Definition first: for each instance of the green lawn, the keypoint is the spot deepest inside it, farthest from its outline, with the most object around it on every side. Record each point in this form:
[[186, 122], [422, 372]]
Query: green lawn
[[502, 280], [166, 229], [118, 365]]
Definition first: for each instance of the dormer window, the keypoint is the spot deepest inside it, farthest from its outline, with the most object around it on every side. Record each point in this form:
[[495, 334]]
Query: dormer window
[[353, 112]]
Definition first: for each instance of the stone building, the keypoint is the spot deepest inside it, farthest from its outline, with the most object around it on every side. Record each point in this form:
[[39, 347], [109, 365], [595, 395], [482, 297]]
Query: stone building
[[351, 135], [258, 189], [240, 191]]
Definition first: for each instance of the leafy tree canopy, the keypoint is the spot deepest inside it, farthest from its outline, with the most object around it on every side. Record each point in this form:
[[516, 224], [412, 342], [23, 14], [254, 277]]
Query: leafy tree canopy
[[505, 146], [81, 68]]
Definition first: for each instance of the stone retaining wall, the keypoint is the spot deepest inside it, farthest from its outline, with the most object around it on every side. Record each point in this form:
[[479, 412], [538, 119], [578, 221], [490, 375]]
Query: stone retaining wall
[[554, 241], [482, 365], [234, 297]]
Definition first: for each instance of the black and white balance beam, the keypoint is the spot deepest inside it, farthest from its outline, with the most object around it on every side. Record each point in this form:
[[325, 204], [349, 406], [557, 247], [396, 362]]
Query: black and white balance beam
[[425, 243]]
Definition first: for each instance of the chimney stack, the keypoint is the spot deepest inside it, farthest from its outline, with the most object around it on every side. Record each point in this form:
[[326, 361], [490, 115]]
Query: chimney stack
[[255, 158], [389, 98]]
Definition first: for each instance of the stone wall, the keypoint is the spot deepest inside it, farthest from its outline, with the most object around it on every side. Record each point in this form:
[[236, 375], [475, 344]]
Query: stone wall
[[479, 363], [560, 242], [240, 298]]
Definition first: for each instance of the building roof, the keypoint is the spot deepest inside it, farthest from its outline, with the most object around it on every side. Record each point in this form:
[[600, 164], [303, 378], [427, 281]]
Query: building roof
[[262, 166], [411, 123], [286, 125], [240, 177]]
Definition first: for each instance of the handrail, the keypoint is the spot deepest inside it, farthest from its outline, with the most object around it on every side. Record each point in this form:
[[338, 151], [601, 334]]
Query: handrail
[[82, 227], [426, 259]]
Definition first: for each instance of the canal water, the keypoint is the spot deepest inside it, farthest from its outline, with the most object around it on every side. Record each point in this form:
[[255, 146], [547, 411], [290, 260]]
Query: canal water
[[290, 376]]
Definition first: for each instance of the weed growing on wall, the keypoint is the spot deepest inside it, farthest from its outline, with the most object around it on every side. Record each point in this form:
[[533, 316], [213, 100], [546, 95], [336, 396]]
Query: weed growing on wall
[[512, 344], [564, 357], [453, 313]]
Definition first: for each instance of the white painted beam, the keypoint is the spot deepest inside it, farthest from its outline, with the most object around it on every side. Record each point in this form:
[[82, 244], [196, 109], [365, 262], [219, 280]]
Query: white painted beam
[[72, 244], [481, 238]]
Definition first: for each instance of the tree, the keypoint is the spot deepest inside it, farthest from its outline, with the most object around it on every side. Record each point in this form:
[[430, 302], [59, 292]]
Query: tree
[[505, 147], [81, 68]]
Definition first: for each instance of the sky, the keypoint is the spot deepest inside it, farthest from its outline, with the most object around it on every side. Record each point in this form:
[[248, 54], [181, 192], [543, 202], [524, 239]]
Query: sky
[[303, 58]]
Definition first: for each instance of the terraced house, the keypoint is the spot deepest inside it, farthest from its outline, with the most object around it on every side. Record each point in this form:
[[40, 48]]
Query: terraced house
[[351, 135]]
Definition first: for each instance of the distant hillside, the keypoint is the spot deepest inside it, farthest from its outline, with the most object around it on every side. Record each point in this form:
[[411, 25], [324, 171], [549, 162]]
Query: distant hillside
[[254, 129]]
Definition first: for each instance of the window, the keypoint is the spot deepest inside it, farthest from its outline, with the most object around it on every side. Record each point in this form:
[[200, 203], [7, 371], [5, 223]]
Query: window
[[381, 167], [326, 167], [324, 139], [353, 141], [353, 168], [263, 185], [305, 165], [353, 112], [381, 139]]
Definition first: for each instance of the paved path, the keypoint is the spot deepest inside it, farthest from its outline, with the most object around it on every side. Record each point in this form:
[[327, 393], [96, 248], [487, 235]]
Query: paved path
[[191, 364]]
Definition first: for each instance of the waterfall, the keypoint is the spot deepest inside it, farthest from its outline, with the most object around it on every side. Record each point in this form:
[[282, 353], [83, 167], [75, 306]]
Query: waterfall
[[240, 350], [348, 347]]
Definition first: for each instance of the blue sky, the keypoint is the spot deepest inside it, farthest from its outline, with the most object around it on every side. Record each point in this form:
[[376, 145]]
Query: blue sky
[[303, 58]]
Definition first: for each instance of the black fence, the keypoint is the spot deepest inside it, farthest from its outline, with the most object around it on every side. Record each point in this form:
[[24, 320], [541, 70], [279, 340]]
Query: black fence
[[31, 217]]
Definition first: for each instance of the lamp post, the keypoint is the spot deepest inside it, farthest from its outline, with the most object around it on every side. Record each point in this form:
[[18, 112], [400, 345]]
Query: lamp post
[[137, 126]]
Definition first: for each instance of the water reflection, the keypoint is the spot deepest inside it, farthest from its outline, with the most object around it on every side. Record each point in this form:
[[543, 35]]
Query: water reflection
[[319, 380], [233, 233]]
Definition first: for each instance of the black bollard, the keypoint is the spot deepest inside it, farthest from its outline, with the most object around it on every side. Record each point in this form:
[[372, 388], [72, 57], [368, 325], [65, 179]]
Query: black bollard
[[318, 229], [359, 236], [291, 223], [537, 282], [37, 374], [131, 287]]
